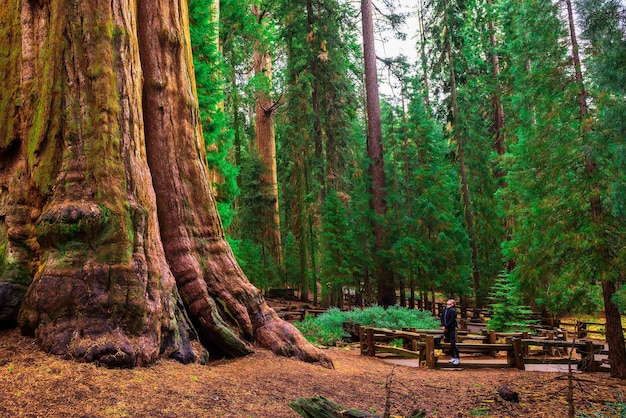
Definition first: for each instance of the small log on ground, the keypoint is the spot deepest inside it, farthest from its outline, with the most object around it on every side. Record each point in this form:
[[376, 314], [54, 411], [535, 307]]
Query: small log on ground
[[320, 407]]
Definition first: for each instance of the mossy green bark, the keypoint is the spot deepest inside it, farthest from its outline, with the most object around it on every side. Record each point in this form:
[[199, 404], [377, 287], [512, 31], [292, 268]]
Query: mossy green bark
[[108, 204], [10, 48], [101, 288]]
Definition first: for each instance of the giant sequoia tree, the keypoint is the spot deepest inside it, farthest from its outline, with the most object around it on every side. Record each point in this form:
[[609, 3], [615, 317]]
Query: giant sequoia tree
[[384, 273], [106, 214]]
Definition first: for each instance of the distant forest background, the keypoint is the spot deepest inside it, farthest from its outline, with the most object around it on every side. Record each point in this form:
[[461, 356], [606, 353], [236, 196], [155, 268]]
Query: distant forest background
[[492, 166]]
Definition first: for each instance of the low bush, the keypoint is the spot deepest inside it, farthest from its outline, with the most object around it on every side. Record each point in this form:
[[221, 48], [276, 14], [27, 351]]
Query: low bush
[[327, 329]]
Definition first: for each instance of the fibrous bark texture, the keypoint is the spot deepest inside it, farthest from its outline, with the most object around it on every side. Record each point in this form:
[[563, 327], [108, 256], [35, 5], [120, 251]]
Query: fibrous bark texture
[[265, 143], [106, 214]]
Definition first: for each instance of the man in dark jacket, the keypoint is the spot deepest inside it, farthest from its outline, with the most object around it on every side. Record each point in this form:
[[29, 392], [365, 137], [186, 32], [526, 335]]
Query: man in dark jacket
[[448, 324]]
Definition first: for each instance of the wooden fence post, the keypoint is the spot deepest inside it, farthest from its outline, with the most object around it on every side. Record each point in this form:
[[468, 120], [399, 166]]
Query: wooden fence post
[[430, 351], [526, 349], [510, 354], [492, 340], [518, 352], [413, 344], [362, 341], [371, 349], [590, 355], [565, 350]]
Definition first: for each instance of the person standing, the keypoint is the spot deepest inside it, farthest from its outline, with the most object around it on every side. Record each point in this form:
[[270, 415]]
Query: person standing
[[448, 324]]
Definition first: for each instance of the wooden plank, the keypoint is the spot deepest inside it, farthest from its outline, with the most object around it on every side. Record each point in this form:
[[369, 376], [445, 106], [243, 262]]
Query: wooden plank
[[556, 343], [550, 361], [403, 334], [479, 347], [509, 334], [592, 362], [472, 337], [397, 351], [492, 340]]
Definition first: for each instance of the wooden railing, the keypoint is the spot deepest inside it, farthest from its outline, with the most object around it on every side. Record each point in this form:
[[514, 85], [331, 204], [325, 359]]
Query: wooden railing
[[298, 314], [421, 345], [586, 329]]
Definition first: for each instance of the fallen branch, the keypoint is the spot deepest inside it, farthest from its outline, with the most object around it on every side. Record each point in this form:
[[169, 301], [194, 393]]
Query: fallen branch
[[320, 407]]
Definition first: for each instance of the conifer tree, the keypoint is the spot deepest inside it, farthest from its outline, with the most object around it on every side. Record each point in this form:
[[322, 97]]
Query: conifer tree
[[567, 239], [510, 314], [317, 123], [384, 273], [604, 25], [430, 242]]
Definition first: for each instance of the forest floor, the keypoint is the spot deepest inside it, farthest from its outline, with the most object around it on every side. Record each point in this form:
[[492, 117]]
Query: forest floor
[[34, 384]]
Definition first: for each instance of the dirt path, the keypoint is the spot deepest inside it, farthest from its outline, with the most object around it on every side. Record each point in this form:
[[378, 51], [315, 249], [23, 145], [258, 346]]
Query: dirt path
[[33, 384]]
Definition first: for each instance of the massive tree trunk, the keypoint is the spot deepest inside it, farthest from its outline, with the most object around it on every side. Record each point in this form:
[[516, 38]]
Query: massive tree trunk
[[106, 207]]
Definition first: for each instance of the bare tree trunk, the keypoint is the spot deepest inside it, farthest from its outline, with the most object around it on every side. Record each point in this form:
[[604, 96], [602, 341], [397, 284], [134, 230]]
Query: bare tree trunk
[[614, 332], [384, 275], [109, 207], [582, 94]]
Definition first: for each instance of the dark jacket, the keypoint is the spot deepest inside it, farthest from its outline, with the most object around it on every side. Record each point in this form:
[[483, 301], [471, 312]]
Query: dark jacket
[[448, 318]]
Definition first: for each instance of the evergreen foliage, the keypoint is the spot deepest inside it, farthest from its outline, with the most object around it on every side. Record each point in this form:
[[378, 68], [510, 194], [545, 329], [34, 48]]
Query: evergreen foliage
[[314, 131], [555, 245], [463, 28], [327, 329], [604, 28], [530, 206], [251, 254], [218, 137], [429, 240], [337, 245], [510, 314]]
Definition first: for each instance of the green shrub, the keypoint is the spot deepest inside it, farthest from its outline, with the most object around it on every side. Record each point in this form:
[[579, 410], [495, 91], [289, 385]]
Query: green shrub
[[327, 329]]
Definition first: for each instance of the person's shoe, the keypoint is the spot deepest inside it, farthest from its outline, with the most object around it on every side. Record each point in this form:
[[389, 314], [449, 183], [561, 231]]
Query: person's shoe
[[451, 360], [456, 361]]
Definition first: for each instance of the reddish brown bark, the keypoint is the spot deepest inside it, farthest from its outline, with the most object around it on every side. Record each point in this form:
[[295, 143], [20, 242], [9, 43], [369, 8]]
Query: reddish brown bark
[[101, 289], [384, 274], [265, 143], [108, 206]]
